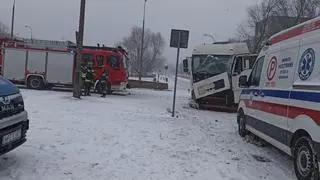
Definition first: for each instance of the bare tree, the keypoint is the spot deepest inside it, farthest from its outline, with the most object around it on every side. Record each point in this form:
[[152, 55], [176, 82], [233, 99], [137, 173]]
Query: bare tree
[[304, 8], [271, 16], [255, 29], [154, 43], [3, 29]]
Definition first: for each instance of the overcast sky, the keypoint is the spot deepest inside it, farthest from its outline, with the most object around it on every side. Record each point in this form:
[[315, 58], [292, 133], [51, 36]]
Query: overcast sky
[[108, 21]]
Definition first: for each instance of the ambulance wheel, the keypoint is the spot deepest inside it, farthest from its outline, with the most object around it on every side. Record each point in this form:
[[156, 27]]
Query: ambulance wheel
[[305, 161], [242, 125], [35, 82]]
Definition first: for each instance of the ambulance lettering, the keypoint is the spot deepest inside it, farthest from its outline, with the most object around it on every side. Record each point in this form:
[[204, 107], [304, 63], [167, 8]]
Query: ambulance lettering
[[285, 67]]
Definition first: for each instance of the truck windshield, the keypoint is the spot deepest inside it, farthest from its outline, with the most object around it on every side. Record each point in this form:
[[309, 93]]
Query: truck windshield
[[211, 64]]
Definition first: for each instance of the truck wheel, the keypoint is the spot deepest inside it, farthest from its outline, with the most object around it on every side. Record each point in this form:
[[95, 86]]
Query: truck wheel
[[193, 96], [230, 98], [305, 161], [242, 125], [35, 82]]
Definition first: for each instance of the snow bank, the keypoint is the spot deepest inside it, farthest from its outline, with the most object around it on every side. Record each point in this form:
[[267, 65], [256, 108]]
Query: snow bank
[[134, 137]]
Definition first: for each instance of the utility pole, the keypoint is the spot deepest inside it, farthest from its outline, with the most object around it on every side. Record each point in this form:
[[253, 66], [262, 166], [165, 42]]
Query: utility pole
[[142, 40], [12, 20], [77, 84]]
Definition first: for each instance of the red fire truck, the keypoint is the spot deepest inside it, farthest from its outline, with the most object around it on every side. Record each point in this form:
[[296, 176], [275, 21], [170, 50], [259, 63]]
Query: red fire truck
[[40, 68], [114, 60]]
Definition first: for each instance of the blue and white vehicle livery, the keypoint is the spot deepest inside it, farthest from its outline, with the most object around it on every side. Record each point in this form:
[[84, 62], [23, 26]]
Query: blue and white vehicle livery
[[14, 121], [282, 101]]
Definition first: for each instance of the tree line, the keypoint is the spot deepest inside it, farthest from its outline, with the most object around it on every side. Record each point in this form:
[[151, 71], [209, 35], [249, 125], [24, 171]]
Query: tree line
[[152, 53], [3, 28], [278, 14], [268, 17]]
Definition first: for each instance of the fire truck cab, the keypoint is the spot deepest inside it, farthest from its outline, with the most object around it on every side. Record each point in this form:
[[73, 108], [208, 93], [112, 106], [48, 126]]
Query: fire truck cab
[[113, 60]]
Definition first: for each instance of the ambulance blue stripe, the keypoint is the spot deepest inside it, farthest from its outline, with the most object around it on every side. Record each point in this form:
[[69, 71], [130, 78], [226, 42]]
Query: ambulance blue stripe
[[277, 93], [305, 96], [271, 93], [297, 95]]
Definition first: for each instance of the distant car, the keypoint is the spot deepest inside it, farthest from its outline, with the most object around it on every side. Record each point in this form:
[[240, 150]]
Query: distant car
[[282, 102], [14, 121]]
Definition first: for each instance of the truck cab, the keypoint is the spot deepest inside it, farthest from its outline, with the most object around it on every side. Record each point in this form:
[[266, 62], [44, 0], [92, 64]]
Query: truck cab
[[215, 71], [112, 60], [14, 121]]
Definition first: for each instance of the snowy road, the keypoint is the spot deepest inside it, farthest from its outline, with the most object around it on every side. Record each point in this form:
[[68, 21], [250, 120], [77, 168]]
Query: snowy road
[[134, 137]]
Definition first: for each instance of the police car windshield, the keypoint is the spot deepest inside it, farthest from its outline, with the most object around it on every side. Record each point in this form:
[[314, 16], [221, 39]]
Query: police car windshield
[[210, 64]]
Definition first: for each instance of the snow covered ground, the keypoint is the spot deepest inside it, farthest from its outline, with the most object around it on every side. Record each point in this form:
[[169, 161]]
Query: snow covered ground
[[134, 137]]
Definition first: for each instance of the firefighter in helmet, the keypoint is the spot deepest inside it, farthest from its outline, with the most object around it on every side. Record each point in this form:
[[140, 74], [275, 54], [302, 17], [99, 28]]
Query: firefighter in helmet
[[87, 77], [89, 80], [83, 78], [103, 80]]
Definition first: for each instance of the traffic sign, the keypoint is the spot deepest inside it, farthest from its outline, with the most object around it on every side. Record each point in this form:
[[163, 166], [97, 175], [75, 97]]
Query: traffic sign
[[179, 39], [183, 35], [272, 68]]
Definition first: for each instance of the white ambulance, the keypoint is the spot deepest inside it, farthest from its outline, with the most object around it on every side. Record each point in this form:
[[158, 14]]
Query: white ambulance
[[282, 101]]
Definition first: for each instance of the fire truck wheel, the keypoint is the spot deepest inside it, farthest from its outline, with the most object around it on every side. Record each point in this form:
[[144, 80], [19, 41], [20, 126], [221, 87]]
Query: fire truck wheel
[[109, 91], [242, 124], [35, 82], [305, 161]]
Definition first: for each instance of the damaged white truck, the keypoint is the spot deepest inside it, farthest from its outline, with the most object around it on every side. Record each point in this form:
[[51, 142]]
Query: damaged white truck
[[215, 70]]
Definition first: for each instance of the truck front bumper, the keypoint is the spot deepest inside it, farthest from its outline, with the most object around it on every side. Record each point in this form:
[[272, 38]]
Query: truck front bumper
[[121, 87], [23, 126]]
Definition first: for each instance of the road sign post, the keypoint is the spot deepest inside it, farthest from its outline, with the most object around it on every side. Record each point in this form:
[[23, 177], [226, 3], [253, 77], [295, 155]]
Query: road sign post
[[179, 39]]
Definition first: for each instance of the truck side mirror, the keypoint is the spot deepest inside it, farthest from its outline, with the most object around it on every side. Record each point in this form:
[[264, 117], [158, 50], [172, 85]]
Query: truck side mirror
[[185, 66], [243, 82]]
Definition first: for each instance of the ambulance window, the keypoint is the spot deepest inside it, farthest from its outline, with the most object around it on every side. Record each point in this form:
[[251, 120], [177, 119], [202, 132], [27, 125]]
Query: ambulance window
[[252, 61], [256, 72], [99, 60]]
